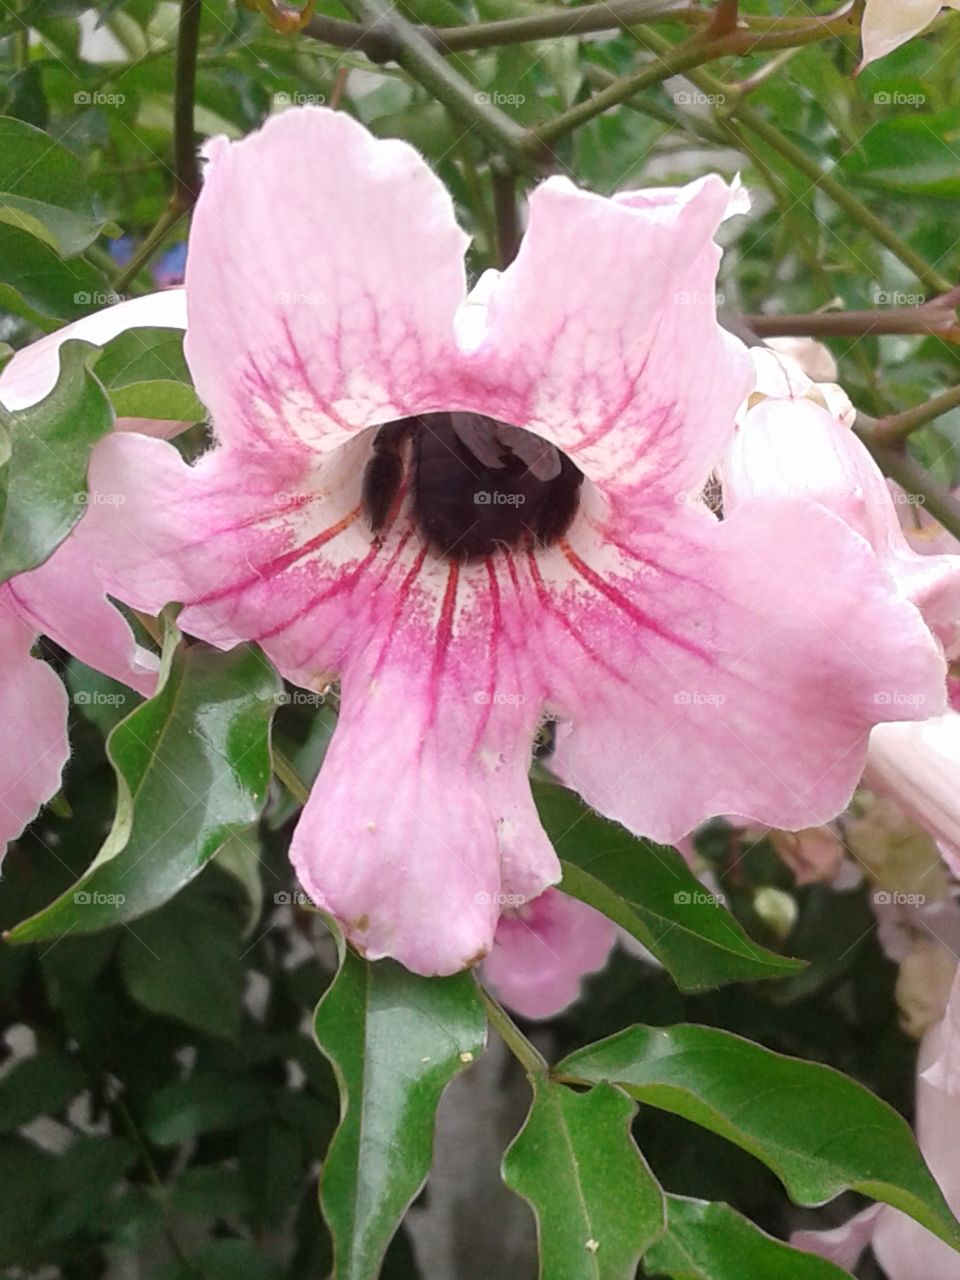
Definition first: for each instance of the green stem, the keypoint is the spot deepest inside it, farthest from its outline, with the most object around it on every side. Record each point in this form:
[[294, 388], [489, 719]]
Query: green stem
[[185, 166], [171, 215], [895, 462], [580, 20], [676, 59], [747, 117], [286, 771], [527, 1054], [891, 430], [426, 65]]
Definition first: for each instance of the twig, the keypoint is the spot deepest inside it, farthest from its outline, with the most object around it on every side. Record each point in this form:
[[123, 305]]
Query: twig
[[894, 461], [504, 182], [938, 317], [747, 118], [685, 57], [379, 45], [421, 60], [186, 169], [527, 1054], [896, 428]]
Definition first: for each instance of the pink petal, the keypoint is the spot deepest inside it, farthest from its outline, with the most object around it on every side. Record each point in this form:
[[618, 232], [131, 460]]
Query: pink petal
[[421, 824], [887, 24], [32, 373], [33, 712], [257, 546], [701, 668], [904, 1249], [602, 335], [794, 448], [918, 766], [63, 600], [325, 268], [843, 1245], [543, 949]]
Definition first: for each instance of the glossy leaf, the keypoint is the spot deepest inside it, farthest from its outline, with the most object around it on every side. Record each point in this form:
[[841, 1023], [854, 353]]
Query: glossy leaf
[[38, 284], [44, 191], [193, 766], [395, 1041], [43, 485], [818, 1131], [650, 891], [146, 376], [706, 1241], [597, 1204]]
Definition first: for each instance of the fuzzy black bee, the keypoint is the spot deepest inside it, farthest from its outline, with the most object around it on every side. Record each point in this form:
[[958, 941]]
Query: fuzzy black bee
[[476, 484]]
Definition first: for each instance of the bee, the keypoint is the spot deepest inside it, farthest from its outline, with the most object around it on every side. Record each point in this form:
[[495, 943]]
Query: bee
[[476, 484]]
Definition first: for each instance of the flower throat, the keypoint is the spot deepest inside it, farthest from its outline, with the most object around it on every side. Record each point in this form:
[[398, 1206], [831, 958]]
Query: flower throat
[[477, 485]]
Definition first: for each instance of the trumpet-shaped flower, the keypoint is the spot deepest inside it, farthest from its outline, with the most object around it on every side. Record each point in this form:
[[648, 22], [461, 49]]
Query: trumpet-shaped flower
[[483, 516], [62, 599]]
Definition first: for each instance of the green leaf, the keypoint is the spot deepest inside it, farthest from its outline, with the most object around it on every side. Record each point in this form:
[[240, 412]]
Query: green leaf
[[650, 891], [42, 1085], [597, 1204], [193, 767], [37, 284], [818, 1131], [203, 1103], [210, 1190], [43, 485], [240, 860], [146, 375], [395, 1041], [183, 961], [223, 1260], [44, 190], [706, 1241]]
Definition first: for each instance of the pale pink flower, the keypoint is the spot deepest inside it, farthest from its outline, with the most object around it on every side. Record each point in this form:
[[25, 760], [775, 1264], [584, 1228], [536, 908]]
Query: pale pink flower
[[887, 24], [542, 950], [904, 1249], [792, 446], [326, 290], [61, 599], [918, 766]]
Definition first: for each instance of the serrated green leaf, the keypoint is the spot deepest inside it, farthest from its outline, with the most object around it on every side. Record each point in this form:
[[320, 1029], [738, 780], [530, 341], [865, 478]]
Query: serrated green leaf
[[650, 891], [44, 191], [395, 1041], [146, 376], [818, 1131], [193, 767], [43, 485], [598, 1206], [707, 1241]]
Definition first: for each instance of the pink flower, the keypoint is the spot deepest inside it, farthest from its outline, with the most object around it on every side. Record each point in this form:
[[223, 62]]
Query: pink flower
[[904, 1249], [887, 24], [918, 766], [792, 446], [466, 579], [62, 599], [542, 950]]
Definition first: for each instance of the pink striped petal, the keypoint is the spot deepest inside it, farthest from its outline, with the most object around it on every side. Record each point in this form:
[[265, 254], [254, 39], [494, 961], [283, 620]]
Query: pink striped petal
[[602, 336], [325, 267]]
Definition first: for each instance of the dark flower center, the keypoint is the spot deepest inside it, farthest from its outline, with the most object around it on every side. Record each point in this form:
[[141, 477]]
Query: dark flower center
[[477, 485]]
